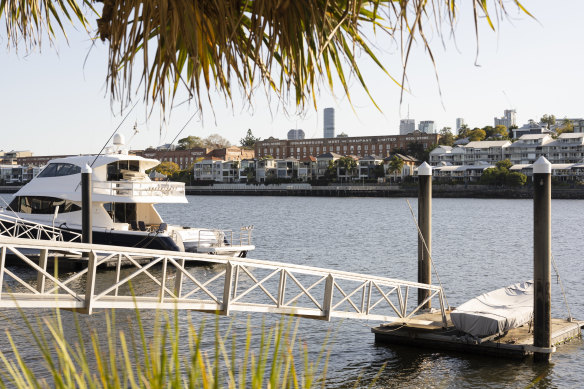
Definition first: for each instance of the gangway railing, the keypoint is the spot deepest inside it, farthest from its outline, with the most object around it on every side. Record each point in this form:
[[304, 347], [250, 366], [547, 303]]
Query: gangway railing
[[169, 281], [16, 227]]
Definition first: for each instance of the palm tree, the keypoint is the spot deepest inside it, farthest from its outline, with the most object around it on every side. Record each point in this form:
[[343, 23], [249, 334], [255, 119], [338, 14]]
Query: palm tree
[[396, 164], [288, 47]]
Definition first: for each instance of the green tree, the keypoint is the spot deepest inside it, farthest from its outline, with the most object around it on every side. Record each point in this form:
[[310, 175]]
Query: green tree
[[477, 135], [396, 164], [489, 131], [190, 142], [515, 179], [504, 164], [290, 48], [549, 120], [463, 132], [346, 164], [566, 126], [167, 168], [501, 130], [446, 137], [249, 141]]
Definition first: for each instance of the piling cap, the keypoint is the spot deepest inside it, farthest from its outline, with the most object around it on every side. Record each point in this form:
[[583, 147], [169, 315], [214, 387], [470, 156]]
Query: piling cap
[[542, 165], [86, 169], [424, 169]]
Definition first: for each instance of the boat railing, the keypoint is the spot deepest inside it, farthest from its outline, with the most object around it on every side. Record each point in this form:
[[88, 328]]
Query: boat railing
[[133, 188], [230, 237], [16, 227]]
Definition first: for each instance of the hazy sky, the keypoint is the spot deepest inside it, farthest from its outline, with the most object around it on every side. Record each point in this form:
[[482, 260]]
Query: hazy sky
[[55, 101]]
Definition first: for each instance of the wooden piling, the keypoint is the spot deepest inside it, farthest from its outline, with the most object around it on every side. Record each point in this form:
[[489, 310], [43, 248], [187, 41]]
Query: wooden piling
[[425, 233], [542, 232]]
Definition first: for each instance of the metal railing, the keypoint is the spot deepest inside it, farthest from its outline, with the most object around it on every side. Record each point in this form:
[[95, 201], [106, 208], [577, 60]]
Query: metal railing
[[243, 238], [232, 284], [16, 227], [136, 188]]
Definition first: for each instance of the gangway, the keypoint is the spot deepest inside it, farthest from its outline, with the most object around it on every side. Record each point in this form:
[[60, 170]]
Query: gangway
[[226, 284]]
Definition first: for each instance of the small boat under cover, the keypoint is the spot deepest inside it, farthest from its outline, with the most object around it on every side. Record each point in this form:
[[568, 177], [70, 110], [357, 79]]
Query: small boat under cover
[[495, 312]]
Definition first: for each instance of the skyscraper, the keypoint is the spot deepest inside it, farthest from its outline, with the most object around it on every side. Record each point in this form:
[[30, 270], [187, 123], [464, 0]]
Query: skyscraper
[[295, 134], [459, 123], [426, 126], [509, 118], [407, 126], [329, 123]]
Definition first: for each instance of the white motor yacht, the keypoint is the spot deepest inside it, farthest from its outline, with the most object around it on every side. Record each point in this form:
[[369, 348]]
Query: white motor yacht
[[123, 200]]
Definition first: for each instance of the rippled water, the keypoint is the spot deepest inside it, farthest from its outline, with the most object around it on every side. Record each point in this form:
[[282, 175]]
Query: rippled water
[[478, 245]]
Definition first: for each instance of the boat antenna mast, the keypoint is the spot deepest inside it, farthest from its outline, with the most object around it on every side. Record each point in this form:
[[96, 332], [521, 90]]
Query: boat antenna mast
[[112, 135]]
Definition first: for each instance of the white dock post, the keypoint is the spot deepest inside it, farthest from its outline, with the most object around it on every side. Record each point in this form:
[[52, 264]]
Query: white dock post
[[90, 286], [542, 232], [425, 226]]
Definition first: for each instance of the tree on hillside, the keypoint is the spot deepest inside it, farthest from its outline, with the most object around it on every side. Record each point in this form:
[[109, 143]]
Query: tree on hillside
[[289, 48], [190, 142], [216, 141], [167, 168], [501, 130], [249, 141], [549, 120], [504, 164], [463, 132], [346, 164], [566, 126], [477, 135], [446, 137]]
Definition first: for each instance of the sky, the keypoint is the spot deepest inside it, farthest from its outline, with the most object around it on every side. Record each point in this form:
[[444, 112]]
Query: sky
[[55, 101]]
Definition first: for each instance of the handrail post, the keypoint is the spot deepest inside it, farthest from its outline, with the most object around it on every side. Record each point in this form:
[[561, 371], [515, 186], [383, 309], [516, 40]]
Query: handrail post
[[2, 264], [425, 233], [178, 280], [327, 305], [43, 265], [90, 287], [227, 289]]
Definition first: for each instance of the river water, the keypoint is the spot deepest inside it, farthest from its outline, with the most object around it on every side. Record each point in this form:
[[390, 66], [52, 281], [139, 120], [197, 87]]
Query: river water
[[478, 245]]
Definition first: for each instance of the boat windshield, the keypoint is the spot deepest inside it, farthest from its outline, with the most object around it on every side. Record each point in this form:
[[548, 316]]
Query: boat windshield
[[114, 169], [59, 170], [42, 205]]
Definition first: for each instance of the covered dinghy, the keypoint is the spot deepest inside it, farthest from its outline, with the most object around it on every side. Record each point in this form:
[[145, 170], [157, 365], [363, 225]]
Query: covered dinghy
[[495, 312]]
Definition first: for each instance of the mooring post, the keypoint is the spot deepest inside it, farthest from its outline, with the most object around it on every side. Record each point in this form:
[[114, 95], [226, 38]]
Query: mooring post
[[86, 233], [542, 253], [425, 233]]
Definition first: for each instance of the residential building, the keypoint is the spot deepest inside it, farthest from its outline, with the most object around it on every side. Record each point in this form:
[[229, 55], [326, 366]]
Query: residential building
[[329, 123], [295, 134], [460, 173], [578, 123], [509, 118], [567, 148], [359, 146], [208, 170], [530, 128], [11, 157], [427, 126], [322, 163], [287, 168], [489, 151], [407, 126], [186, 158], [265, 169], [528, 148], [408, 168], [247, 168], [367, 166], [307, 168]]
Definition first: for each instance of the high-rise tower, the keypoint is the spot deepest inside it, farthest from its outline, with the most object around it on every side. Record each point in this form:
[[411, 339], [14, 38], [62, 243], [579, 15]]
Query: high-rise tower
[[329, 123]]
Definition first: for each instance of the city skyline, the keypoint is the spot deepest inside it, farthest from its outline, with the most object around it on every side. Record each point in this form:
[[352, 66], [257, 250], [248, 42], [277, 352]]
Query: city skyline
[[56, 102]]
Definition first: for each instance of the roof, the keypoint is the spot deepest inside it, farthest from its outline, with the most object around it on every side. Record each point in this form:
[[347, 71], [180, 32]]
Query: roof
[[484, 144], [571, 135], [451, 168], [533, 136], [329, 155], [310, 158]]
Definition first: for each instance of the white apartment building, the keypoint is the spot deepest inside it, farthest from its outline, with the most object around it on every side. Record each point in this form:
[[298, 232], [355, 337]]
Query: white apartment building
[[528, 148]]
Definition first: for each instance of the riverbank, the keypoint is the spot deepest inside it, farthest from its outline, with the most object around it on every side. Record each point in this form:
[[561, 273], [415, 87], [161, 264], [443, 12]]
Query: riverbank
[[438, 191]]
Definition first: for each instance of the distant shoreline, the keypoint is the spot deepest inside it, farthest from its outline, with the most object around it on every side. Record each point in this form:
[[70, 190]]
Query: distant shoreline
[[304, 190]]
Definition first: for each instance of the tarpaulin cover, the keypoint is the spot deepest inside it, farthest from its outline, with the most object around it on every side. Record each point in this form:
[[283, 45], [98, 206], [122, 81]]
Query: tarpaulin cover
[[495, 312]]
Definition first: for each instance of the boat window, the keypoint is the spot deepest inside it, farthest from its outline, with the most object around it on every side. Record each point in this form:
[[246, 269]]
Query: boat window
[[121, 212], [59, 169], [42, 205], [114, 169]]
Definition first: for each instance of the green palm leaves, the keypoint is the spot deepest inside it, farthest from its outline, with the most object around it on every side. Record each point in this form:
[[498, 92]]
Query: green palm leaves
[[287, 47]]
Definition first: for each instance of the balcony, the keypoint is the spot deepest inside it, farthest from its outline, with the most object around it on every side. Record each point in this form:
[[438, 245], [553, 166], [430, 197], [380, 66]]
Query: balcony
[[139, 189]]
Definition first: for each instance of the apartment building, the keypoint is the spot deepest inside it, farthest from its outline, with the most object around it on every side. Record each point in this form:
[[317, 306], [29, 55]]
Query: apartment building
[[359, 146]]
